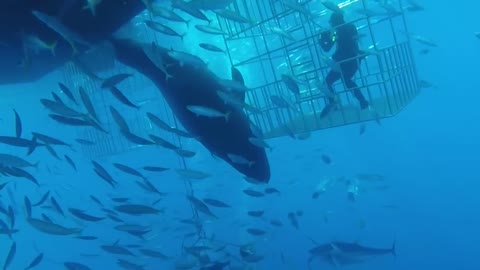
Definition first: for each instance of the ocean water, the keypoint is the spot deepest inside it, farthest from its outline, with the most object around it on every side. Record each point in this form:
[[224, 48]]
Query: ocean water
[[427, 205]]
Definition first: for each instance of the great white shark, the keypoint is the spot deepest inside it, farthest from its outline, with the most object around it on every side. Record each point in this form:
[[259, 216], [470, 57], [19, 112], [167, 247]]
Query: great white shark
[[188, 86], [191, 85], [340, 253]]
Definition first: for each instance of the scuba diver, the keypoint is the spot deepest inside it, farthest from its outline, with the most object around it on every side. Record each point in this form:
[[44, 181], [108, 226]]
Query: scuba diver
[[347, 56]]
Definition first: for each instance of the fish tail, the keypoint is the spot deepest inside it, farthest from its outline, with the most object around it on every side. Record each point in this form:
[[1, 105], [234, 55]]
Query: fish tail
[[311, 239], [25, 63], [168, 76], [80, 230], [113, 184], [91, 7], [52, 47], [393, 250], [29, 213], [188, 23], [35, 165], [32, 146], [71, 147], [148, 5], [85, 7], [74, 48], [227, 116]]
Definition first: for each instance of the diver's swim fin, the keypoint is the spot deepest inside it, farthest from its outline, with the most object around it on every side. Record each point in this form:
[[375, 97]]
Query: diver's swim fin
[[327, 109]]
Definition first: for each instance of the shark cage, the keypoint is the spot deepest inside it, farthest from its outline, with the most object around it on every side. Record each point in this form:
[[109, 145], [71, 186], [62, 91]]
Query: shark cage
[[275, 45], [279, 52]]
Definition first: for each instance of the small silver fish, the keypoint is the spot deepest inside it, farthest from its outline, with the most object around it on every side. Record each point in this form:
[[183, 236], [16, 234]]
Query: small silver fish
[[425, 41], [167, 14], [240, 160], [36, 44], [56, 25], [216, 203], [186, 58], [36, 261], [154, 52], [163, 29], [232, 16], [210, 47], [115, 79], [92, 6], [332, 6], [52, 228], [259, 142], [210, 30], [10, 256], [191, 10], [291, 83], [208, 112], [282, 33], [136, 209]]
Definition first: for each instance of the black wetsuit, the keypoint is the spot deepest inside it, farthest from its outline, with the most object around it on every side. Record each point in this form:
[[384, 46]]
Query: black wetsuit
[[347, 53]]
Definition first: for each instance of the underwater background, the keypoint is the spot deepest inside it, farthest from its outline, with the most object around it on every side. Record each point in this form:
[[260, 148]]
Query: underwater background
[[427, 203]]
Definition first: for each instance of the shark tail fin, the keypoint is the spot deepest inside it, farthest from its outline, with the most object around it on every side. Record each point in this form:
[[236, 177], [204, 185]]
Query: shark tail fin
[[393, 250]]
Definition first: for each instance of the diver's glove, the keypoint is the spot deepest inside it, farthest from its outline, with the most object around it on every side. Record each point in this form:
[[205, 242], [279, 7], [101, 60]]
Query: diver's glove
[[326, 36], [326, 40]]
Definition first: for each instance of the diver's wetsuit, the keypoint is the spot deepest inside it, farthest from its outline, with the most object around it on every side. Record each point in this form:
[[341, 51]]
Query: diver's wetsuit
[[347, 48]]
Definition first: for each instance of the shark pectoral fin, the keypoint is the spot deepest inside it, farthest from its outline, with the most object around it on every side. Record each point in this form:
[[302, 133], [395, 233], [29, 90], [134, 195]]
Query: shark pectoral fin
[[238, 77], [242, 96]]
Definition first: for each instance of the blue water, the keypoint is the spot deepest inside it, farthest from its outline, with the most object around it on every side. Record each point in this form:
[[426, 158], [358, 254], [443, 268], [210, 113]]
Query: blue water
[[427, 153]]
